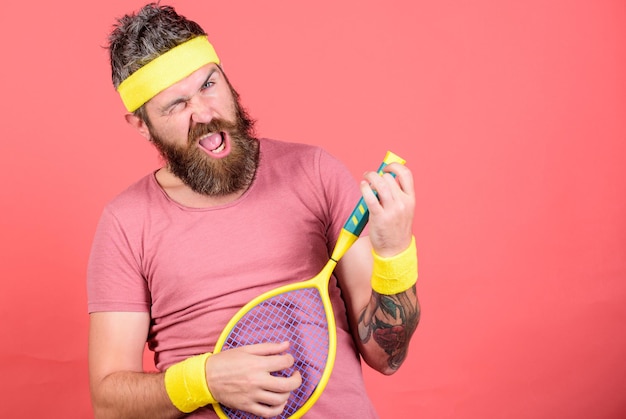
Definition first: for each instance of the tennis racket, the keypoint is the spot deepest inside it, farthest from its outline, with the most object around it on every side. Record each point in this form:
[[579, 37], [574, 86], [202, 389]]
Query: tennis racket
[[302, 314]]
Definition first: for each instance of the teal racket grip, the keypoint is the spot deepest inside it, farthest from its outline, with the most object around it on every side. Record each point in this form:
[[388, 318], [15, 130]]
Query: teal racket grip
[[360, 215]]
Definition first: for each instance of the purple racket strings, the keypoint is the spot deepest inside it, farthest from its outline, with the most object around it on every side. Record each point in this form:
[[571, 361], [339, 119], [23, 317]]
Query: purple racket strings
[[296, 316]]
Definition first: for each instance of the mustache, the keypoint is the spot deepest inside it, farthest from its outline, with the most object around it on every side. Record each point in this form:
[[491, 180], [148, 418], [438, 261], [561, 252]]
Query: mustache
[[216, 125]]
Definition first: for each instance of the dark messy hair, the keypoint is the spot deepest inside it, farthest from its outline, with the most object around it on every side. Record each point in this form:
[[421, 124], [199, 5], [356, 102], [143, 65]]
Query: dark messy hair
[[140, 37]]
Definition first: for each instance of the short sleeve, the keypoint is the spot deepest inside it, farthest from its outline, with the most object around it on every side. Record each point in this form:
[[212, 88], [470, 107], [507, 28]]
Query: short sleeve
[[114, 275]]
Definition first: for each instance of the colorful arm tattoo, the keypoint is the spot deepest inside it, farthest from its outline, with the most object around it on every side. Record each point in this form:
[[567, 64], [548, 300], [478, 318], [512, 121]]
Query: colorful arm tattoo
[[391, 320]]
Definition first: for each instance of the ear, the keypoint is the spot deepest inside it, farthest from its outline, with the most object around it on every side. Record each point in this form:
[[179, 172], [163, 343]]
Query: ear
[[138, 124]]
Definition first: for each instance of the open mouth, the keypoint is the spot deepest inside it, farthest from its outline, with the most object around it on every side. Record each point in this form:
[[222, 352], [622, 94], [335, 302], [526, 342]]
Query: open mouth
[[214, 143]]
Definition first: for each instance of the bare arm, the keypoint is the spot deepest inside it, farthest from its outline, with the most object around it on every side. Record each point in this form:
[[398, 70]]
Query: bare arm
[[119, 387], [240, 378], [389, 322], [382, 325]]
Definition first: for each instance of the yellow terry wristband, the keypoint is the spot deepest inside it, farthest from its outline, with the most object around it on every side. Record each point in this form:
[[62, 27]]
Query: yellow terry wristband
[[186, 384], [395, 274]]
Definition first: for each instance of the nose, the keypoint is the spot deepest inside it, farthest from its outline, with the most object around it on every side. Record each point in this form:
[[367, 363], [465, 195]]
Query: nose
[[201, 111]]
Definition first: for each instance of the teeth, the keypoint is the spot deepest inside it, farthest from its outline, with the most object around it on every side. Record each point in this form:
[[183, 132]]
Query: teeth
[[220, 148]]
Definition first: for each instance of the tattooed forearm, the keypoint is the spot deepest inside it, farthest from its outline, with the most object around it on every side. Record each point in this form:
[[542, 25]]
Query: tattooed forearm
[[390, 320]]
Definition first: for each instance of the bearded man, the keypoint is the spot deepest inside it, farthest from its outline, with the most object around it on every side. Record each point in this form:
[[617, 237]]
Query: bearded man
[[228, 217]]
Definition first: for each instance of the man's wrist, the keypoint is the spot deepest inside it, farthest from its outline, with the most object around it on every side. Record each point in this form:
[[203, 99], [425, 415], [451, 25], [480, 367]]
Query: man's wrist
[[186, 385], [396, 274]]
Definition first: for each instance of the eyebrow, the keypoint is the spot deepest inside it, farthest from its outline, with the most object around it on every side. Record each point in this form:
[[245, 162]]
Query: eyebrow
[[181, 99], [173, 103]]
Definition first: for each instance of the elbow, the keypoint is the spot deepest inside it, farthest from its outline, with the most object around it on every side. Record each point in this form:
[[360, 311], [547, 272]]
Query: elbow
[[386, 364], [101, 407], [383, 369], [388, 370], [101, 410]]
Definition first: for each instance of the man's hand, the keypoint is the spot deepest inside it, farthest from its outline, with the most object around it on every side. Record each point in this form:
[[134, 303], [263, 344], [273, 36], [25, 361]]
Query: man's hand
[[240, 378], [391, 214]]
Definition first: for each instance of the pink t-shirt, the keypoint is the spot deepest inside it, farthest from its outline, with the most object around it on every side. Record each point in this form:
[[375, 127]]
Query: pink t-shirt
[[192, 269]]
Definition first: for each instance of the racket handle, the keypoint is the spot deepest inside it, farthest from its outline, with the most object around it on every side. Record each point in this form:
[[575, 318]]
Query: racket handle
[[360, 215]]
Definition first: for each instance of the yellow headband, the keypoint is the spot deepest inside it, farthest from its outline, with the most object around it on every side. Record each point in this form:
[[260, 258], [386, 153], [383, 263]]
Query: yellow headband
[[165, 70]]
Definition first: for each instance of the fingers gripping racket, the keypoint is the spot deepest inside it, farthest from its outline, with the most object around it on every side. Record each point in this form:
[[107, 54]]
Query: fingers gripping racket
[[302, 314]]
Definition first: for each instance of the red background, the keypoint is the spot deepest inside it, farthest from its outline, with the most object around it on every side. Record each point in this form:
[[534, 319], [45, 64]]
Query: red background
[[510, 114]]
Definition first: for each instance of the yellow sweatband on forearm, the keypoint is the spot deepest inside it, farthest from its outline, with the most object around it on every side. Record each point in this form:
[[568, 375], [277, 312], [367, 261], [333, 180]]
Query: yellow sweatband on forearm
[[186, 384], [395, 274]]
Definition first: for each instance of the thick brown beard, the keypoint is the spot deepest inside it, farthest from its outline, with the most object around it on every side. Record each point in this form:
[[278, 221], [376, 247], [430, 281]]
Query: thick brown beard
[[215, 177]]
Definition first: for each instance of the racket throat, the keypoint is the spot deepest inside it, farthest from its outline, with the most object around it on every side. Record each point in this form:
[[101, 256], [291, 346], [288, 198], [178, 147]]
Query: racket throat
[[328, 269], [344, 241]]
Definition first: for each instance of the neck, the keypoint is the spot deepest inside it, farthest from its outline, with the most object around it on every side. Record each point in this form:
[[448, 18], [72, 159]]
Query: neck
[[184, 195]]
